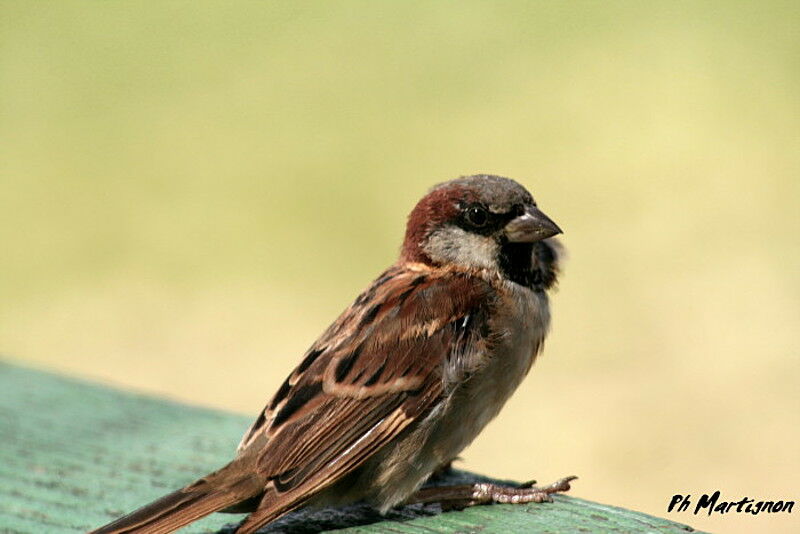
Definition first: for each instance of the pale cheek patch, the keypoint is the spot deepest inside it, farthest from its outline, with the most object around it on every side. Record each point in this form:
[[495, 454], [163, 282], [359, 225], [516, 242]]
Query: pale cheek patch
[[453, 245]]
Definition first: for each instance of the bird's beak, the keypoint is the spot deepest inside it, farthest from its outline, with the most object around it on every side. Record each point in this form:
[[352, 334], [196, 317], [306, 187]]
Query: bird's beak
[[531, 226]]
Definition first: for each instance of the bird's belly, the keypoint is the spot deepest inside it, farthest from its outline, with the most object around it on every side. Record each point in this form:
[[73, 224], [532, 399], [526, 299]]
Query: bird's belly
[[395, 473], [479, 399]]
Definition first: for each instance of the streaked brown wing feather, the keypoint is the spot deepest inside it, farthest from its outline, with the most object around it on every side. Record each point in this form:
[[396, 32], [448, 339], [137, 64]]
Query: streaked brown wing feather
[[378, 369]]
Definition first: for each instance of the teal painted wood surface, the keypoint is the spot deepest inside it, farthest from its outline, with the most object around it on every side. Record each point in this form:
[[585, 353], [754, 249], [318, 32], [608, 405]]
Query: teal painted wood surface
[[76, 455]]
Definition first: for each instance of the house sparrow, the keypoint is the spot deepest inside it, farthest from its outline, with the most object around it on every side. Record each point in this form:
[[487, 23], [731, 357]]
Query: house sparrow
[[405, 378]]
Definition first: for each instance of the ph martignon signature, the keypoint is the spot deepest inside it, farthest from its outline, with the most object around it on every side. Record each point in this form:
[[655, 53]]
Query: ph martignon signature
[[713, 504]]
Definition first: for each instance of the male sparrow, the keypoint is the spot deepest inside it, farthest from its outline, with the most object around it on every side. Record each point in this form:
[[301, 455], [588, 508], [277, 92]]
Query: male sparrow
[[405, 378]]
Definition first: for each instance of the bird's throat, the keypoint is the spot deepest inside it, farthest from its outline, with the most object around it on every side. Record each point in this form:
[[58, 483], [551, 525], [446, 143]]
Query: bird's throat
[[529, 264]]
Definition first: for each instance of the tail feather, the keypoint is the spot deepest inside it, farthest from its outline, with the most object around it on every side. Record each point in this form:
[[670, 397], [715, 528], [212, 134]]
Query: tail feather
[[181, 507]]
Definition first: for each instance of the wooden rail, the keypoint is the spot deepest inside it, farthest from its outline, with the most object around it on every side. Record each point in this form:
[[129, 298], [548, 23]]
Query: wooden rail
[[75, 455]]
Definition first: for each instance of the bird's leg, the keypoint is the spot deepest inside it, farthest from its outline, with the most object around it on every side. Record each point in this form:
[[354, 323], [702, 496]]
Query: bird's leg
[[442, 471], [464, 495]]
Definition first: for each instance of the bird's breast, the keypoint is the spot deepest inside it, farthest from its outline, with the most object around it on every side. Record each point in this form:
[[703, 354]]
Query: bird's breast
[[518, 326], [518, 329]]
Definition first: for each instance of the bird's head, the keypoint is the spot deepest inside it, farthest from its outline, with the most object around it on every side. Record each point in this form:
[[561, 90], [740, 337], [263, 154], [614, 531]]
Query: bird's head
[[481, 221]]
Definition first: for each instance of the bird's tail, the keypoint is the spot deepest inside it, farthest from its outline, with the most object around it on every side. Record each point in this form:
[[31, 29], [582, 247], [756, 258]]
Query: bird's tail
[[221, 489]]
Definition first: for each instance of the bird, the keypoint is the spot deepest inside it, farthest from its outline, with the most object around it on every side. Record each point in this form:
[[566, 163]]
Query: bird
[[405, 378]]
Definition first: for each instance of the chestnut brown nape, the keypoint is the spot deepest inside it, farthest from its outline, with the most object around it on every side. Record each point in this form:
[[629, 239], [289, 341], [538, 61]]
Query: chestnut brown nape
[[434, 209]]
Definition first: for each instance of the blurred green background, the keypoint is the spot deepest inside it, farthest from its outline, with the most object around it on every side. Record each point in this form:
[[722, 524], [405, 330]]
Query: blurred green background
[[190, 192]]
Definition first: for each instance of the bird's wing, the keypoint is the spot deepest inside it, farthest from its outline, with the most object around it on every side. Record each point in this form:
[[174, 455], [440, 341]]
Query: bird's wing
[[382, 366]]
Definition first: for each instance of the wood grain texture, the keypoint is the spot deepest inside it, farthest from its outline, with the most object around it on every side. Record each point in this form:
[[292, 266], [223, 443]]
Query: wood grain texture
[[76, 455]]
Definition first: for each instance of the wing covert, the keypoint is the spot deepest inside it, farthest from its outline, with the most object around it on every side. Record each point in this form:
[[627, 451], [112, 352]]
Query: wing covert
[[381, 366]]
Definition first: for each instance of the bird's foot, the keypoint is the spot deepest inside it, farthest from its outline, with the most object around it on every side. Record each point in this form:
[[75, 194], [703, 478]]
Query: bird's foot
[[465, 495]]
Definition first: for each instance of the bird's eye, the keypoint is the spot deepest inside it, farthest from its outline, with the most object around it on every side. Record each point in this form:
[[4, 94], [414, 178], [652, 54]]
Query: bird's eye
[[477, 216]]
